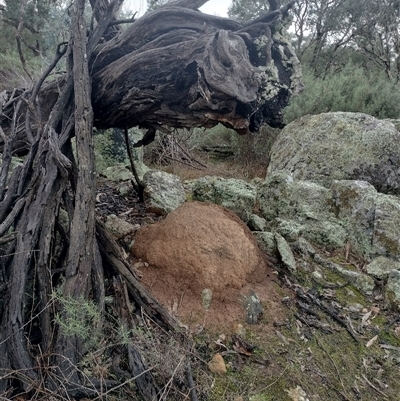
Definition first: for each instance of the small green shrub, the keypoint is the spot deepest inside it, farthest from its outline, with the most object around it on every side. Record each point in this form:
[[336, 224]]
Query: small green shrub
[[81, 318]]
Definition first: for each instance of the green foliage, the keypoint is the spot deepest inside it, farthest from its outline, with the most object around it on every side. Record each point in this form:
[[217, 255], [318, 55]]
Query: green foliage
[[40, 25], [12, 74], [110, 148], [80, 317], [244, 10], [351, 89]]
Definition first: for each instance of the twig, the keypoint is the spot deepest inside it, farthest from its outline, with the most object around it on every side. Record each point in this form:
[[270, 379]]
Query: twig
[[171, 378], [309, 297], [334, 364], [139, 187], [124, 21], [374, 387], [122, 384], [273, 383]]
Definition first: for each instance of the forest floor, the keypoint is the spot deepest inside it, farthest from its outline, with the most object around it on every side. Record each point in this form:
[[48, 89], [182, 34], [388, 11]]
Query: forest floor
[[316, 341]]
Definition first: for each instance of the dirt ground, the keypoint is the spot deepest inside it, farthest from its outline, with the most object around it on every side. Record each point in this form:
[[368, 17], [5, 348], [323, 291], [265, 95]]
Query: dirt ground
[[313, 342]]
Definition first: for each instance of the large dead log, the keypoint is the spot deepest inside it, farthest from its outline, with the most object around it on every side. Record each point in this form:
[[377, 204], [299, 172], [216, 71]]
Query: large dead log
[[187, 69], [181, 68]]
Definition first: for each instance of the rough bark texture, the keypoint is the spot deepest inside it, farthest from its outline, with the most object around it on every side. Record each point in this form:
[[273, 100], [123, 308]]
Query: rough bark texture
[[179, 67], [174, 66]]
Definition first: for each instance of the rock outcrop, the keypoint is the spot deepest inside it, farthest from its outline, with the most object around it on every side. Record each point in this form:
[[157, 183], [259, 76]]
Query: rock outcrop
[[340, 146]]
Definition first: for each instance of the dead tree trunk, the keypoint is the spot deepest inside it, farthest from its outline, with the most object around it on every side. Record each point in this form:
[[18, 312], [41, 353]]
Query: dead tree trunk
[[174, 66]]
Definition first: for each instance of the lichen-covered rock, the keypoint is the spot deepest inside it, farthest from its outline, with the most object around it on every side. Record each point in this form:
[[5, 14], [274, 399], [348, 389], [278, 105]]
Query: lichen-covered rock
[[386, 235], [236, 195], [119, 227], [340, 146], [118, 173], [361, 281], [354, 203], [163, 192], [381, 267], [285, 253], [266, 241], [257, 223], [372, 219], [392, 289], [300, 208]]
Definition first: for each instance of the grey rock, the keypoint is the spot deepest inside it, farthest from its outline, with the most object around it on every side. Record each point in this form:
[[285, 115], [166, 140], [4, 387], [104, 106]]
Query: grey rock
[[266, 241], [118, 173], [125, 188], [163, 192], [300, 208], [381, 267], [286, 253], [392, 289], [257, 223], [361, 281], [372, 219], [386, 236], [253, 307], [236, 195], [119, 227], [354, 204], [339, 146]]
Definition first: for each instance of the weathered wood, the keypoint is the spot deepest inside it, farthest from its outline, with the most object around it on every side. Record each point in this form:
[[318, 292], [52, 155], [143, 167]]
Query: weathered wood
[[179, 67], [144, 378]]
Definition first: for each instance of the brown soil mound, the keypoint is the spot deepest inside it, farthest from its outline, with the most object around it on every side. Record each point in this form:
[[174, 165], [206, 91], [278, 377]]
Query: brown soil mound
[[199, 246]]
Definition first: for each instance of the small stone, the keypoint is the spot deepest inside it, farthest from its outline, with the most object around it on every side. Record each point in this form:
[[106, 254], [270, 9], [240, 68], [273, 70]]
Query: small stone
[[286, 253], [147, 220], [356, 307], [119, 227], [125, 188], [240, 330], [254, 308], [392, 289], [206, 298], [317, 275], [257, 223], [217, 364]]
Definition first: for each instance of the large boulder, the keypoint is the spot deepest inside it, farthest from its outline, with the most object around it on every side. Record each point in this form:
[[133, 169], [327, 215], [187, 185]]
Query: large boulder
[[372, 219], [340, 146], [300, 209], [200, 246]]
